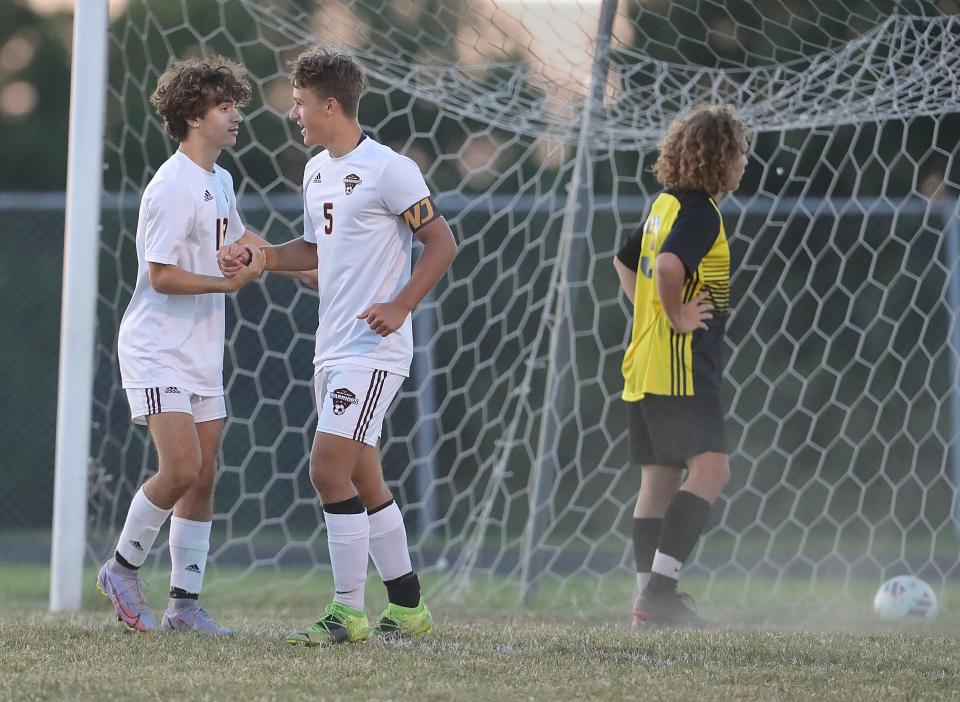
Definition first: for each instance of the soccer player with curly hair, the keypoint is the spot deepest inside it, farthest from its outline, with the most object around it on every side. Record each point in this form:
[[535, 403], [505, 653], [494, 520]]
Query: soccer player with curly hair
[[171, 339], [675, 269]]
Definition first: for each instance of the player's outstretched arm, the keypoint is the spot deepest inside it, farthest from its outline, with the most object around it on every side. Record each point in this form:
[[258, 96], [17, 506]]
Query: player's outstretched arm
[[439, 250], [296, 255], [233, 257], [170, 279]]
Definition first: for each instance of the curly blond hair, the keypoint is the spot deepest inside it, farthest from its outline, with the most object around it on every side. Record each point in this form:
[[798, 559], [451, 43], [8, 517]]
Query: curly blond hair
[[190, 87], [698, 148]]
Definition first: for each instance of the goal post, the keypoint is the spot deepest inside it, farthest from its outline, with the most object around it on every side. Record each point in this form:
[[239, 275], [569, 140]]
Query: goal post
[[572, 261], [88, 83], [950, 216]]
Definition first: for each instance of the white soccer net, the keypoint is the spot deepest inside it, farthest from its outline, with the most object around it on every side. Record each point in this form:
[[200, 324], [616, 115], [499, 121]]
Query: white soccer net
[[536, 130]]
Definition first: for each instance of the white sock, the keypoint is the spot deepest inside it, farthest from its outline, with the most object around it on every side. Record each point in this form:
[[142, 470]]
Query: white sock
[[642, 580], [388, 543], [348, 537], [144, 520], [666, 565], [189, 546]]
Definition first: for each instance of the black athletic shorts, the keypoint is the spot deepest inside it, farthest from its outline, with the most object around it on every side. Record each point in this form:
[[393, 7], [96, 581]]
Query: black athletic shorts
[[667, 430]]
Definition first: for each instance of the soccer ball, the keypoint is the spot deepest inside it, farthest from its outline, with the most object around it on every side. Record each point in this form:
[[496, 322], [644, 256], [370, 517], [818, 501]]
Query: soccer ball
[[905, 596]]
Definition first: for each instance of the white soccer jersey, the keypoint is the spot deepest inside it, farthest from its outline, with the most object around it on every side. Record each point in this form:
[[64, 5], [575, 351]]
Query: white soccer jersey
[[359, 210], [186, 214]]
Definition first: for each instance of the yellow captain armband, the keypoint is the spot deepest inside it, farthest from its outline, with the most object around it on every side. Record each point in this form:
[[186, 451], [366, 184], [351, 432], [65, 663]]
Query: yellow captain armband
[[420, 214]]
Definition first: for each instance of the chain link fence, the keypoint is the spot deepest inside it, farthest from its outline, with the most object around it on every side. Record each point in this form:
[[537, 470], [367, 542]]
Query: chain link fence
[[31, 229]]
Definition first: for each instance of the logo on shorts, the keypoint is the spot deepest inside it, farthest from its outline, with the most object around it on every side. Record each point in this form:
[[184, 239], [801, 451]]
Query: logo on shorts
[[350, 182], [136, 545], [342, 399], [193, 568], [171, 391]]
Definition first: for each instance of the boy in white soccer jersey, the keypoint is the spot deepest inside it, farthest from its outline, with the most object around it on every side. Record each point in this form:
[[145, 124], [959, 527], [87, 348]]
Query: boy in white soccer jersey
[[171, 339], [363, 204]]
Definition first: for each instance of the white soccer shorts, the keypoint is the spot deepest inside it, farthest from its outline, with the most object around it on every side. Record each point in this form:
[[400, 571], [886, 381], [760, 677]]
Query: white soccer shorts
[[147, 401], [353, 400]]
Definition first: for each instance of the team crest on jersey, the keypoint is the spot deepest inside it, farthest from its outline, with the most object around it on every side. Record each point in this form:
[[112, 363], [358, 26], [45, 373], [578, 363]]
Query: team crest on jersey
[[207, 197], [342, 399], [316, 179], [350, 182]]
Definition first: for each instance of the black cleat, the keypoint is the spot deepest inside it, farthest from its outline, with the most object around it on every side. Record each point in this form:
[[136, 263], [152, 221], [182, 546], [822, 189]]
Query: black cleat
[[668, 609]]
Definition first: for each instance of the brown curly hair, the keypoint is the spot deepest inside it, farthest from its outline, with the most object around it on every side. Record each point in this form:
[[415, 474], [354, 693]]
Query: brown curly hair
[[698, 148], [339, 76], [190, 87]]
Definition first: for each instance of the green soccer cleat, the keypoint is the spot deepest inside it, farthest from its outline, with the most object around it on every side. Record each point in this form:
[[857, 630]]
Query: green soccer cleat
[[404, 622], [339, 624]]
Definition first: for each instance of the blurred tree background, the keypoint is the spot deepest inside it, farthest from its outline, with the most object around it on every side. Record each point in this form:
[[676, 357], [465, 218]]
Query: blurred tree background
[[34, 97]]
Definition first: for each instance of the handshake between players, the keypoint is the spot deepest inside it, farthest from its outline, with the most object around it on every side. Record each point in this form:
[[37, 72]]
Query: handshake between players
[[234, 258]]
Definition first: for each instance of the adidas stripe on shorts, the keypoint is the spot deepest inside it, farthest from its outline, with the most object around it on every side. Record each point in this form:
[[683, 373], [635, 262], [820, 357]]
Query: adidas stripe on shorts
[[147, 401], [353, 400]]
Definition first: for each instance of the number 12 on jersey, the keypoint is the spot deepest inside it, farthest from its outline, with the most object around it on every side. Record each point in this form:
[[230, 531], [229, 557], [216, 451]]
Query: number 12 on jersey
[[221, 231]]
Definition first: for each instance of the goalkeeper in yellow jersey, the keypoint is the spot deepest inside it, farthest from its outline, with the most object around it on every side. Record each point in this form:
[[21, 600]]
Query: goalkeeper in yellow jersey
[[675, 269]]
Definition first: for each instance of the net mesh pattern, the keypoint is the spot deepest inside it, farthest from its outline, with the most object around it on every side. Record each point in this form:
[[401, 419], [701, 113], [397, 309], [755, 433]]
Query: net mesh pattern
[[507, 445]]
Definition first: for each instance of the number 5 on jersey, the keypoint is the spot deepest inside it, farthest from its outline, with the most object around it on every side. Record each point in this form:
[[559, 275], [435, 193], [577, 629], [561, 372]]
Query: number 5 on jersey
[[328, 217]]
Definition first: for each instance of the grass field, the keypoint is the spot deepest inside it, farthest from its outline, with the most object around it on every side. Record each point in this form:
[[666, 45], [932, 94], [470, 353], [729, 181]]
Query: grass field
[[483, 648]]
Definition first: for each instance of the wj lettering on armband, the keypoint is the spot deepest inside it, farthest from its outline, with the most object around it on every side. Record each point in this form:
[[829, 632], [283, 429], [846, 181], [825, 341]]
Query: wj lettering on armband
[[419, 215]]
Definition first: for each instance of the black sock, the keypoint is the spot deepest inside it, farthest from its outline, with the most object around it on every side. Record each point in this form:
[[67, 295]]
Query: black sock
[[381, 507], [682, 525], [646, 536], [178, 593], [404, 591], [124, 562], [352, 505]]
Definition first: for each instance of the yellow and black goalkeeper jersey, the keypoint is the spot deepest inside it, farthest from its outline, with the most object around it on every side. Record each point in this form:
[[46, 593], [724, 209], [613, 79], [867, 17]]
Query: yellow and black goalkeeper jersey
[[659, 361]]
